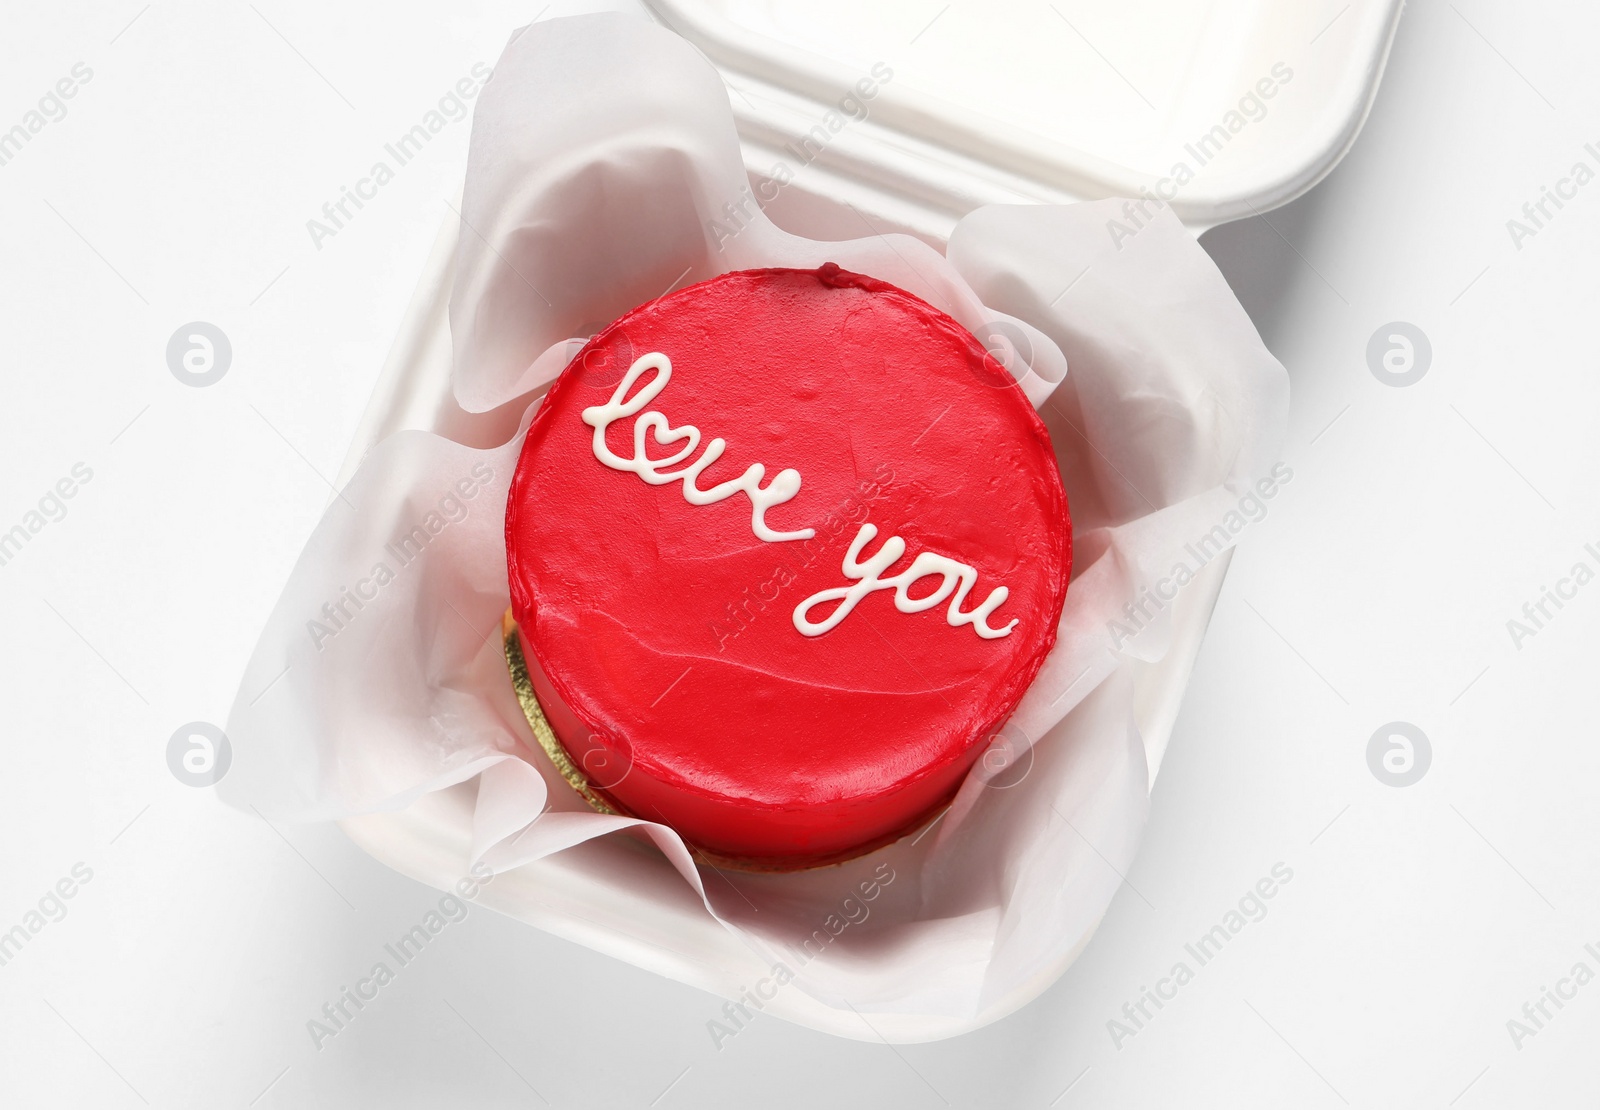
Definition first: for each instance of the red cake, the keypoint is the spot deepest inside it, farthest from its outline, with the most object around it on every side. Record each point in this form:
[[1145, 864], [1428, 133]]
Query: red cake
[[786, 547]]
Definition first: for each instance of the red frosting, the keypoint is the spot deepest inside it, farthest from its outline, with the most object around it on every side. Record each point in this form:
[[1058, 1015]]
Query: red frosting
[[660, 633]]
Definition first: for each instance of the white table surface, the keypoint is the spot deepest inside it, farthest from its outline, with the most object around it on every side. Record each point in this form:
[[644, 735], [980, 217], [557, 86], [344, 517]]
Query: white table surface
[[1419, 919]]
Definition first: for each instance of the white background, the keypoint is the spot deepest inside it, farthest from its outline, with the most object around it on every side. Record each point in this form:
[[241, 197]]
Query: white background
[[1418, 922]]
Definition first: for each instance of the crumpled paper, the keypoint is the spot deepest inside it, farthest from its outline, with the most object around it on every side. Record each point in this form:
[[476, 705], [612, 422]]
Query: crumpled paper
[[605, 171]]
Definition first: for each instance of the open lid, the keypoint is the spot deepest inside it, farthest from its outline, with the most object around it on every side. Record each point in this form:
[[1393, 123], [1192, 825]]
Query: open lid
[[1226, 108]]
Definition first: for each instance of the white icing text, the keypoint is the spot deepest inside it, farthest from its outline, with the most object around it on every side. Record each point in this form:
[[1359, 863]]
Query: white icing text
[[784, 485], [956, 578]]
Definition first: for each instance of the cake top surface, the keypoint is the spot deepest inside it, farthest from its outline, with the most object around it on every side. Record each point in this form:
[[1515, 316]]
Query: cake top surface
[[790, 537]]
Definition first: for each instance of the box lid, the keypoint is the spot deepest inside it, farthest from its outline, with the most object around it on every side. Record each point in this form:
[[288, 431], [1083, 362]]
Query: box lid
[[918, 112]]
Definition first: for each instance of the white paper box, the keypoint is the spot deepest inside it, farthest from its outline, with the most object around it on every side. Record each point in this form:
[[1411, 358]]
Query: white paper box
[[656, 927]]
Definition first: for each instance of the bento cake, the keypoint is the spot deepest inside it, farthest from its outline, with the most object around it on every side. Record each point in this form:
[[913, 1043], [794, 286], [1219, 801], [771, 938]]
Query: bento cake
[[785, 548]]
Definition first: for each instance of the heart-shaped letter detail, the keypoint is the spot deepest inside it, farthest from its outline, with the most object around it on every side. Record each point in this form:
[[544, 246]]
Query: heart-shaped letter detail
[[664, 435]]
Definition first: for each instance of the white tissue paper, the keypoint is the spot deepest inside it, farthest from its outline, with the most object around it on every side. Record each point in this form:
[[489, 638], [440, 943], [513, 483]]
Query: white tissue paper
[[604, 171]]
